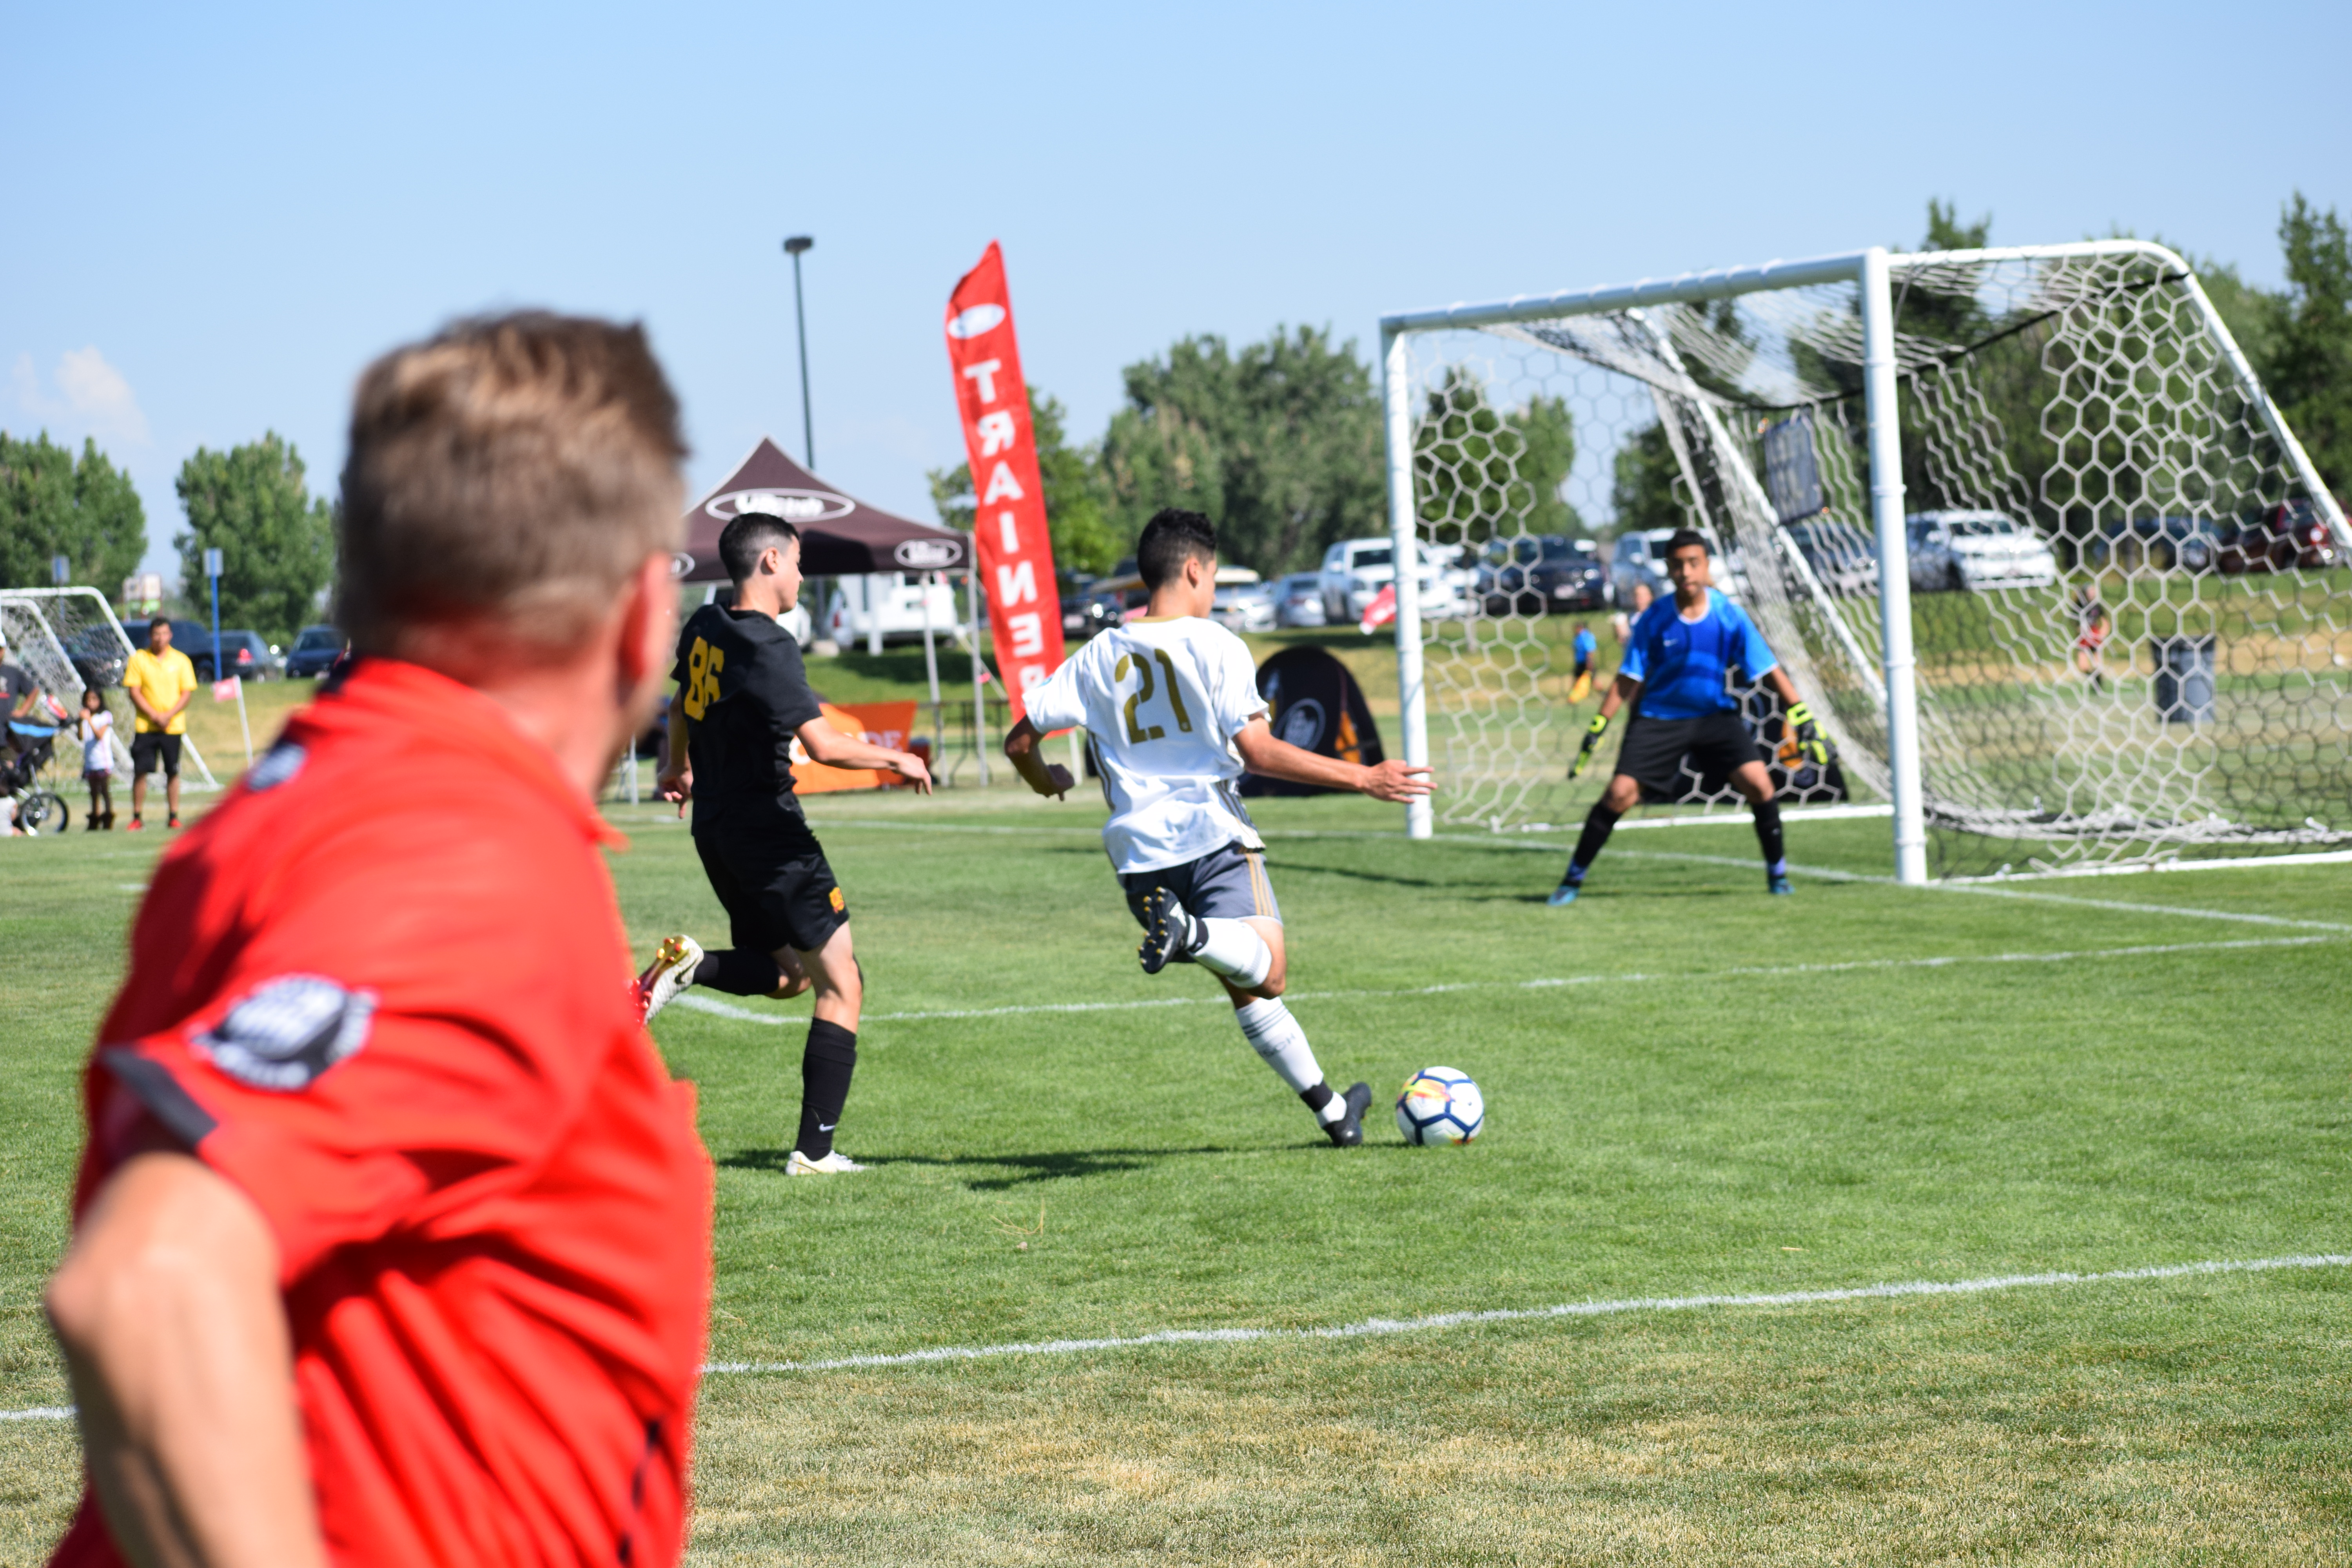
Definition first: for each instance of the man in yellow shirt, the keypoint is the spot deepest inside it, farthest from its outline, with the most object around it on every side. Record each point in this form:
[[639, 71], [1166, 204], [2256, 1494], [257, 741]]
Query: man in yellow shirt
[[159, 681]]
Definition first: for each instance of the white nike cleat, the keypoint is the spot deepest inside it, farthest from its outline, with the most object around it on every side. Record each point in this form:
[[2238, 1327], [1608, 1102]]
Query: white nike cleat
[[834, 1165], [671, 971]]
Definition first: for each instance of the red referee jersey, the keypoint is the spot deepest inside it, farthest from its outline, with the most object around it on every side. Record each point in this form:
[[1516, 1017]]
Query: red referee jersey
[[382, 988]]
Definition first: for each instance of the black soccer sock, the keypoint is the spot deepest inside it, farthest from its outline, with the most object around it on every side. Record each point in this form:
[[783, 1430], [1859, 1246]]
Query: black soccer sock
[[1598, 827], [1768, 834], [1317, 1097], [739, 971], [825, 1066]]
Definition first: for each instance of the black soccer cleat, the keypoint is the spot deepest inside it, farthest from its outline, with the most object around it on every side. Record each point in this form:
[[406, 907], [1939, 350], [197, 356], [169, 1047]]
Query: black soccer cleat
[[1167, 934], [1348, 1131]]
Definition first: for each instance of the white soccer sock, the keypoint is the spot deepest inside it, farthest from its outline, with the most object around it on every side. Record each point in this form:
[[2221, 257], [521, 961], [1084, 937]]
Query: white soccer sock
[[1274, 1034], [1234, 951]]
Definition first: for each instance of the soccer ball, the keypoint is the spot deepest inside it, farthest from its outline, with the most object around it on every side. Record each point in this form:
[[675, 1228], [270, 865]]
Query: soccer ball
[[1440, 1106]]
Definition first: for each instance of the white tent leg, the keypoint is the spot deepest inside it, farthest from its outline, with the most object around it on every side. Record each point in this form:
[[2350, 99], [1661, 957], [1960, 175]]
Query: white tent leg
[[979, 676], [932, 657]]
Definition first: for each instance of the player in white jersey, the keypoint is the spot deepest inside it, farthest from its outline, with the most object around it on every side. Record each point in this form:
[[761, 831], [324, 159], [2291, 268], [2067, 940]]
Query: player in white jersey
[[1173, 715]]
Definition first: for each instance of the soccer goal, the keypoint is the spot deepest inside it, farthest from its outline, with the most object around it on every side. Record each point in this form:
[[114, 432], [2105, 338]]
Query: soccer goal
[[2022, 523], [67, 640]]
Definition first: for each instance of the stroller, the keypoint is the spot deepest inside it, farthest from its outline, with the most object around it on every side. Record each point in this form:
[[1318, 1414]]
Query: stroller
[[29, 749]]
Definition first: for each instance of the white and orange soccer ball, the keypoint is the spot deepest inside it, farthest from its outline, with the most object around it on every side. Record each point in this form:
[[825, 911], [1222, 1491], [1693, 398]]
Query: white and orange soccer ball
[[1440, 1105]]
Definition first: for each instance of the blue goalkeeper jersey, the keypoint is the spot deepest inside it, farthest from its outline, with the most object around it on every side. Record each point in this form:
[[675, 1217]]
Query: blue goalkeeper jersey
[[1684, 665]]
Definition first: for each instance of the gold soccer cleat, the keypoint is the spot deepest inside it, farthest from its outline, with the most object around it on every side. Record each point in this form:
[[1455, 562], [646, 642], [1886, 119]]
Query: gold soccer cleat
[[671, 971]]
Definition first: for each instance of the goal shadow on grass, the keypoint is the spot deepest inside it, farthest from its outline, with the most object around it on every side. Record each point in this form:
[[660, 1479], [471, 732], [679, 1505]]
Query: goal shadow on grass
[[1068, 1163]]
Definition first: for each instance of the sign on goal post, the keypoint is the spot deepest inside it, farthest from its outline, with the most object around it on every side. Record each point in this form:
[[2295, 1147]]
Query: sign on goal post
[[2022, 524]]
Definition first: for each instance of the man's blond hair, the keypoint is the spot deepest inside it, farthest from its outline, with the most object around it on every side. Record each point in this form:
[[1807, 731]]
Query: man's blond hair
[[510, 475]]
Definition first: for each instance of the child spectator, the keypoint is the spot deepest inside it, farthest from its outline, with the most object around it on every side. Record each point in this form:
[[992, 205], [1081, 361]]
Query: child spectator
[[96, 728]]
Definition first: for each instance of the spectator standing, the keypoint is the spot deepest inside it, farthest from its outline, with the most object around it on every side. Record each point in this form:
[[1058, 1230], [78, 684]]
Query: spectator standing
[[161, 682], [95, 727], [1621, 624], [393, 1234]]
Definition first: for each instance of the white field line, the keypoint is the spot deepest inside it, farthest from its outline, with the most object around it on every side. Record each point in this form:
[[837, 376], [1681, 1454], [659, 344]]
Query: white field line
[[1984, 890], [1373, 1327], [1740, 817], [1954, 885], [778, 1020], [2227, 863]]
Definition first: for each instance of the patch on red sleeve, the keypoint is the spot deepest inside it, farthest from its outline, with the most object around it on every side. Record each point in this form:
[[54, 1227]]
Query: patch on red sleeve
[[283, 1035]]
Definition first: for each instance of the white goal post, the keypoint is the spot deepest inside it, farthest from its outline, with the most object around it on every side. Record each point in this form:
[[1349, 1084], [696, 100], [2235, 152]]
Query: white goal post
[[2083, 401]]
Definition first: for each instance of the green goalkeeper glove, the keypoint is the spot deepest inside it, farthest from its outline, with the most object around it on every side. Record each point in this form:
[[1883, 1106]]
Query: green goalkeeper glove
[[1811, 747], [1592, 734]]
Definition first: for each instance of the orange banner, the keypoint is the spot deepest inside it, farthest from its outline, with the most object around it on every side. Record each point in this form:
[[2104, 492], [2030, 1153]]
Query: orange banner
[[887, 724]]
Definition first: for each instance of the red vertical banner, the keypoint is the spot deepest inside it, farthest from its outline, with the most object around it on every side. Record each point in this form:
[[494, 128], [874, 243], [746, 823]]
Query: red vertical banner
[[1015, 550]]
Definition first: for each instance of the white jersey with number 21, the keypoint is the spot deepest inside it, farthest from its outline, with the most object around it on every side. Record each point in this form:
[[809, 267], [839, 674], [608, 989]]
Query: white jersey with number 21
[[1161, 700]]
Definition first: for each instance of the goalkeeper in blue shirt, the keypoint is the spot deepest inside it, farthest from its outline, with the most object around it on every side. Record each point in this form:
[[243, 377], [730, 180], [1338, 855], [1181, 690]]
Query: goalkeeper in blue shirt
[[1679, 656]]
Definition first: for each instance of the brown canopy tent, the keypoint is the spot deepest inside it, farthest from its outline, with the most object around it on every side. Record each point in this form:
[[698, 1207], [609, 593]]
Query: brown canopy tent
[[840, 535]]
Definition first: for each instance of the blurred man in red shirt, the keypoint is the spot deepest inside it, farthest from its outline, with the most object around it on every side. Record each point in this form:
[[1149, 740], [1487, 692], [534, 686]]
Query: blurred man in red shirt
[[393, 1234]]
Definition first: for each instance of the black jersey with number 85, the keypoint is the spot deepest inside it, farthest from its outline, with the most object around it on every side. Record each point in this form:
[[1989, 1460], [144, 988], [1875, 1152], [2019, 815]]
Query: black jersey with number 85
[[743, 693]]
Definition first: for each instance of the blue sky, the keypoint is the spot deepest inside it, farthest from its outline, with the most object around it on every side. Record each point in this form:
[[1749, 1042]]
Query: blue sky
[[217, 215]]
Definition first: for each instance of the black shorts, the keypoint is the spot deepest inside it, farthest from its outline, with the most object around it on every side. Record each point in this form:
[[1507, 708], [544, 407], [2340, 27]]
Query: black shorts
[[1654, 751], [146, 747], [1228, 884], [773, 879]]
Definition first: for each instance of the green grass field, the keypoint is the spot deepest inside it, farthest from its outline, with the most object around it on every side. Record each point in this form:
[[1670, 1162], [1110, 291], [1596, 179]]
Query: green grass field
[[1693, 1090]]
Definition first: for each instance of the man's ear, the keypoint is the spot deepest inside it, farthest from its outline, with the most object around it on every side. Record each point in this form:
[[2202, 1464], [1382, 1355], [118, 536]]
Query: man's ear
[[648, 620]]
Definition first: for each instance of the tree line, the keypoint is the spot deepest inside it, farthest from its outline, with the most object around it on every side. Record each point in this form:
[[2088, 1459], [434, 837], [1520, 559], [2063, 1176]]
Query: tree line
[[1279, 442], [251, 502]]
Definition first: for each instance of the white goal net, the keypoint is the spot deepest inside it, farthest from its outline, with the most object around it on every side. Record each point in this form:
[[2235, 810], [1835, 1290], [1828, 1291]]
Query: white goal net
[[2126, 598]]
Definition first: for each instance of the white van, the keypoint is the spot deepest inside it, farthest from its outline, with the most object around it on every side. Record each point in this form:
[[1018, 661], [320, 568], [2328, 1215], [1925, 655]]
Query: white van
[[897, 597]]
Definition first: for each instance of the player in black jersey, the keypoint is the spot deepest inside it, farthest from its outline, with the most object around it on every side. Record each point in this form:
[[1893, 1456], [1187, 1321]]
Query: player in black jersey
[[742, 700]]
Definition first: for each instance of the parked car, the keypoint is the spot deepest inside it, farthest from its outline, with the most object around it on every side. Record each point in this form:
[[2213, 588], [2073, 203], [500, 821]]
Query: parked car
[[1298, 600], [314, 653], [2287, 537], [243, 653], [97, 654], [1844, 558], [1540, 572], [897, 598], [1081, 609], [1976, 551], [1244, 606], [1356, 570], [2160, 543]]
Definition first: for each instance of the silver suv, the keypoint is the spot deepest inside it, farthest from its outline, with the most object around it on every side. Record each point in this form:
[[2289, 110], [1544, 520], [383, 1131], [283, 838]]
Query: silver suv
[[1976, 551]]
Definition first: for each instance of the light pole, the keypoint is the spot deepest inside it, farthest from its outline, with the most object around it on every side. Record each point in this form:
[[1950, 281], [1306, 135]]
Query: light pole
[[792, 248]]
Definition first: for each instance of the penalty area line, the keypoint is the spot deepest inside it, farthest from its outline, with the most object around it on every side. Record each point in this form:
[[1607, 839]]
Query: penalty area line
[[1370, 1327], [1747, 972], [1984, 890]]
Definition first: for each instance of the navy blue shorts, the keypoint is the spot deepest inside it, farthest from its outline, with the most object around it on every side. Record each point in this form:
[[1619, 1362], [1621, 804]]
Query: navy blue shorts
[[1225, 884]]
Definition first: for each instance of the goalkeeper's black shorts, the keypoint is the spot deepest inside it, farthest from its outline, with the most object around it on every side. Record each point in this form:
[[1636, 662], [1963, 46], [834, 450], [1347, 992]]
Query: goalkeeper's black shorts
[[1667, 757]]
